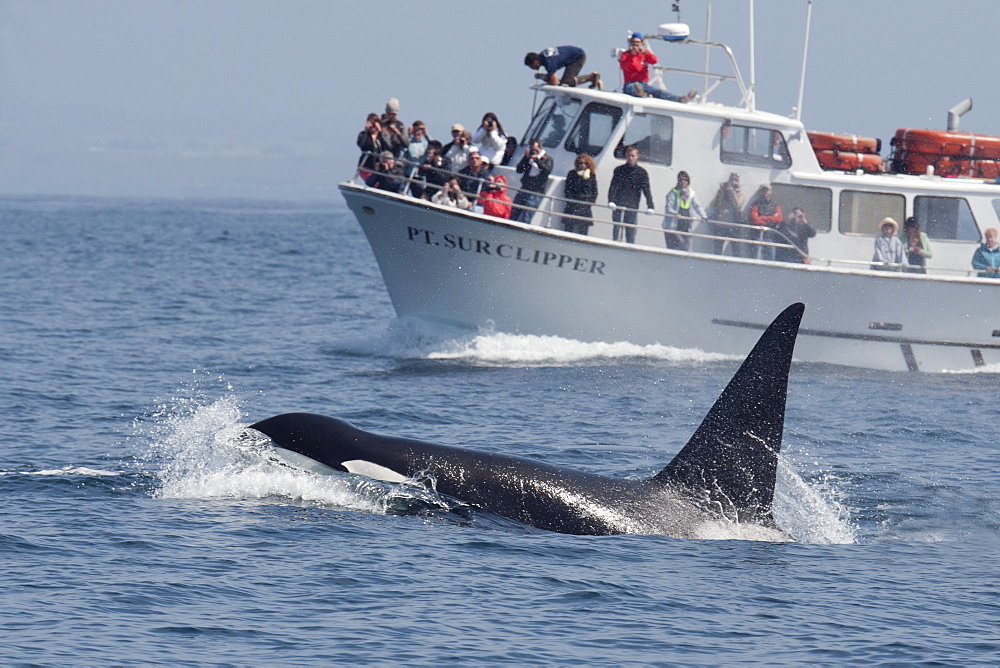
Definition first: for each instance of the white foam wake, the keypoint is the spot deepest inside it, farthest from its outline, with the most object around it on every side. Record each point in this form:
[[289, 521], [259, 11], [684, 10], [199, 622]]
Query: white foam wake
[[199, 450], [533, 350], [988, 368], [416, 338]]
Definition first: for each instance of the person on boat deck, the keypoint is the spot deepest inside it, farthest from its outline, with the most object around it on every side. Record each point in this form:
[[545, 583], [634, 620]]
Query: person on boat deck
[[452, 195], [395, 128], [987, 257], [491, 139], [534, 168], [581, 189], [682, 206], [388, 174], [372, 141], [628, 183], [727, 207], [556, 58], [635, 64], [457, 150], [433, 170], [414, 152], [890, 255], [798, 231], [471, 176], [764, 212], [493, 197], [918, 247]]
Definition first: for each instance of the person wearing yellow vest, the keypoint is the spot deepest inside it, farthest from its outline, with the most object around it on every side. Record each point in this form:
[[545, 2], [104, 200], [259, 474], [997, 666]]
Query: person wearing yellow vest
[[682, 207]]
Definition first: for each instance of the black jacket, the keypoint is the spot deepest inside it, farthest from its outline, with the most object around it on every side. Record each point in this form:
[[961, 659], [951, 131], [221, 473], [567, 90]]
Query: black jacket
[[628, 184], [535, 183]]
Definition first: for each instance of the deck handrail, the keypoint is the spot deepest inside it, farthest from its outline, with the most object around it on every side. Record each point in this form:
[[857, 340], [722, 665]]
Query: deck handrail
[[758, 243]]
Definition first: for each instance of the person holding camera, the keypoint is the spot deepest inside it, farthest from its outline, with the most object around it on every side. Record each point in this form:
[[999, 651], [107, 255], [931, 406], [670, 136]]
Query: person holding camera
[[727, 207], [388, 174], [452, 195], [797, 230], [493, 198], [394, 128], [556, 58], [635, 62], [471, 176], [491, 139], [535, 167], [372, 141]]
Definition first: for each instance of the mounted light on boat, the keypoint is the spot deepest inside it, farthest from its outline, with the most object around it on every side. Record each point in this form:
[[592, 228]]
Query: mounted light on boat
[[674, 32]]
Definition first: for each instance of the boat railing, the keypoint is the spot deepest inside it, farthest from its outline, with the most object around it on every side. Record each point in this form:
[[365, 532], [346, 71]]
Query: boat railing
[[718, 78], [750, 238], [741, 234]]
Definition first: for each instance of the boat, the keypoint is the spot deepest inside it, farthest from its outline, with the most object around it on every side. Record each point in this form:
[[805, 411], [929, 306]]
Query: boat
[[468, 269]]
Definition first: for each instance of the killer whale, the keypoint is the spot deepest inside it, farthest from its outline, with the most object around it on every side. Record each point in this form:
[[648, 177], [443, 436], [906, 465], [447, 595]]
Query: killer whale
[[726, 471]]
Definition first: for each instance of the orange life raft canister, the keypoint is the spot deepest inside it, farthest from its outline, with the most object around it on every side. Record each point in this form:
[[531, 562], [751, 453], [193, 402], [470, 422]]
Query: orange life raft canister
[[869, 162]]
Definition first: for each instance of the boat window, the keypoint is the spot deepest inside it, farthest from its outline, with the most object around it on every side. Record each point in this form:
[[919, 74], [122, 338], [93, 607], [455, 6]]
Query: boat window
[[554, 117], [817, 203], [594, 128], [946, 218], [749, 145], [653, 135], [862, 212]]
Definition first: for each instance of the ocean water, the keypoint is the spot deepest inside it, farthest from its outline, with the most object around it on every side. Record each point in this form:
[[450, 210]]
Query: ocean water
[[139, 337]]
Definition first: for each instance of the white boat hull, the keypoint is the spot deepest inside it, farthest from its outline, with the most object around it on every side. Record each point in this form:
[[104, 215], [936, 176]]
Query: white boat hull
[[467, 269]]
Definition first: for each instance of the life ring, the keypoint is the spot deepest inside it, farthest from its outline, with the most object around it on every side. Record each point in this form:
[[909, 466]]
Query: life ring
[[848, 162], [943, 142], [830, 141]]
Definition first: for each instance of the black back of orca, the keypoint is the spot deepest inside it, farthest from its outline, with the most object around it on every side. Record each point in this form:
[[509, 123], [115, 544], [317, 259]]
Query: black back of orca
[[727, 469]]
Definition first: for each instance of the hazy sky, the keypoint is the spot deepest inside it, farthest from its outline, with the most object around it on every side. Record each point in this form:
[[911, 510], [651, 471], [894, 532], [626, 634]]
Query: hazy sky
[[264, 98]]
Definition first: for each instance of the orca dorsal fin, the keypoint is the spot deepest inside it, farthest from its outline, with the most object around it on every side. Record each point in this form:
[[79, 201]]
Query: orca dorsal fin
[[731, 460]]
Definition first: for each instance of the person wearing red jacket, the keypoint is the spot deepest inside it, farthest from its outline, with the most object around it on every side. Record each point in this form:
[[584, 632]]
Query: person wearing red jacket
[[493, 197], [635, 64], [764, 212]]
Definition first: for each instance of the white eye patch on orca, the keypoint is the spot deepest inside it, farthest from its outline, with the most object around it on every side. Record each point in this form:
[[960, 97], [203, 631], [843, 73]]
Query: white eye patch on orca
[[373, 471]]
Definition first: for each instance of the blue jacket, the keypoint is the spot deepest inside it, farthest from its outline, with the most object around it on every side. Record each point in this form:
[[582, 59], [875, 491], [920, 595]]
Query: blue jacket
[[554, 58], [986, 258]]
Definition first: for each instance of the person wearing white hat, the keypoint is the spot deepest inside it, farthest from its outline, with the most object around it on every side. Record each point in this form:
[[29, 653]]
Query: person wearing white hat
[[889, 252], [394, 128]]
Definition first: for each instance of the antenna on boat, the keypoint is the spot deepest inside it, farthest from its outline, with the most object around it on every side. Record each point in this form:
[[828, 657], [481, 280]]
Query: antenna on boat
[[752, 89], [676, 7], [805, 51], [708, 38]]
